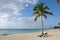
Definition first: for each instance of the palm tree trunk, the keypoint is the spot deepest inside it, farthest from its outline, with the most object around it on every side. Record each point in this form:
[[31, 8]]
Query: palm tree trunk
[[42, 25]]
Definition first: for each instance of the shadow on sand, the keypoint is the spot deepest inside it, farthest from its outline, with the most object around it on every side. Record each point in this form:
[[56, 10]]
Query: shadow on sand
[[44, 35]]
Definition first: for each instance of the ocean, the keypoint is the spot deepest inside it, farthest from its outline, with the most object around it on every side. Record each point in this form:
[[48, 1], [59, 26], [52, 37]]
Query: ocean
[[18, 31]]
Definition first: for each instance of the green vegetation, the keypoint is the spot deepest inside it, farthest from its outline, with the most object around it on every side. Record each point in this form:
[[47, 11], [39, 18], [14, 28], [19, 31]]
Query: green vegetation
[[58, 1], [58, 26], [40, 10]]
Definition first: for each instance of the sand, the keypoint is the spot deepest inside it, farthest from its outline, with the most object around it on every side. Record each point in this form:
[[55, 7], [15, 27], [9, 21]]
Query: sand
[[52, 35]]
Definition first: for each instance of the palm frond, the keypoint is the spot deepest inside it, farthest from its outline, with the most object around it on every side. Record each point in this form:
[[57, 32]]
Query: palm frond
[[45, 16], [35, 8], [46, 8], [35, 12], [58, 1], [36, 17], [41, 6], [41, 10], [46, 12]]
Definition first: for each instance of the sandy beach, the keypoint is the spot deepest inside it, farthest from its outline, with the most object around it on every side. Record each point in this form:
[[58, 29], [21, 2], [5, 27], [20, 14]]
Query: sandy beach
[[52, 35]]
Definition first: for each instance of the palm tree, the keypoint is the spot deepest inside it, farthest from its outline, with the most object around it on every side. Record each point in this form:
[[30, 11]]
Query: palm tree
[[58, 1], [40, 10]]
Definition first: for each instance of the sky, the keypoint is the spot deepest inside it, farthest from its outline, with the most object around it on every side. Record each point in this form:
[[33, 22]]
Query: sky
[[17, 14]]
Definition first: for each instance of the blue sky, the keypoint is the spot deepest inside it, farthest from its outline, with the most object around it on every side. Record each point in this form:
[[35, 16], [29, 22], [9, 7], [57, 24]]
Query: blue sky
[[17, 14]]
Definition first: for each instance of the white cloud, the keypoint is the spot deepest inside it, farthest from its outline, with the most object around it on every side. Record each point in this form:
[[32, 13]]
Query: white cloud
[[14, 6], [34, 1], [11, 9]]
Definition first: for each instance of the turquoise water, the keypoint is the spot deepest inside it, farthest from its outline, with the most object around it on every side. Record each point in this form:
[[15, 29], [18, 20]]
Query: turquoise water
[[18, 31], [15, 31]]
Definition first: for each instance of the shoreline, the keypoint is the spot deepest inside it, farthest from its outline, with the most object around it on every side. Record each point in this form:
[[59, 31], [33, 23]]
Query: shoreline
[[53, 34], [31, 31]]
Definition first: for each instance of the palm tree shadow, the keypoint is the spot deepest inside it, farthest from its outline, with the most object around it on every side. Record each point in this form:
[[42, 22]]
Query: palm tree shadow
[[44, 36]]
